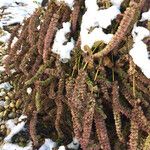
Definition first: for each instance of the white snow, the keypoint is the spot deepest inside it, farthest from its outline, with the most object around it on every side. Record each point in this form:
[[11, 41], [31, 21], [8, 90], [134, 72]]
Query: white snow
[[5, 86], [116, 2], [74, 144], [10, 146], [14, 129], [48, 145], [2, 69], [14, 41], [17, 10], [139, 51], [22, 117], [60, 38], [139, 33], [29, 90], [146, 16], [94, 20], [62, 148]]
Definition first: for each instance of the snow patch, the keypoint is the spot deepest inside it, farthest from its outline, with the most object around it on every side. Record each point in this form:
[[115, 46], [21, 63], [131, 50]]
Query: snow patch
[[29, 90], [6, 86], [139, 51], [14, 128], [139, 33], [62, 148], [2, 69], [61, 45], [22, 117], [116, 2], [74, 144], [10, 146], [94, 20], [19, 8], [146, 16], [48, 145]]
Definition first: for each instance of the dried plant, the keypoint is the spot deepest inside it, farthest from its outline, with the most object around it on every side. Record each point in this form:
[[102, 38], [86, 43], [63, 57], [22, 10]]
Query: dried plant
[[103, 102]]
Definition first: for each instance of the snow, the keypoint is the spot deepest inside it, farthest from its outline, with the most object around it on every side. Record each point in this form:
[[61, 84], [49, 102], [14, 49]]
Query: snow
[[15, 126], [96, 35], [14, 129], [60, 38], [29, 90], [22, 117], [48, 145], [95, 20], [139, 33], [139, 51], [146, 16], [116, 2], [17, 10], [62, 148], [14, 41], [2, 69], [74, 144], [10, 146], [5, 86]]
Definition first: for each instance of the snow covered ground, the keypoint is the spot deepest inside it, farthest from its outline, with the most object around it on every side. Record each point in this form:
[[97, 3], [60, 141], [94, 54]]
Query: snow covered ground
[[14, 11]]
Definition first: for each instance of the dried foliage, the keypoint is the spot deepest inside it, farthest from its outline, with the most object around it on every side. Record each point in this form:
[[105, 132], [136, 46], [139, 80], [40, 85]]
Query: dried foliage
[[102, 102]]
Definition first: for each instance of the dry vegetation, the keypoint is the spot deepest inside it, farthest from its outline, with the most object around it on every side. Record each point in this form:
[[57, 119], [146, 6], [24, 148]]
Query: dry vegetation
[[99, 97]]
